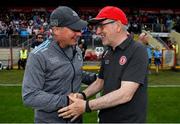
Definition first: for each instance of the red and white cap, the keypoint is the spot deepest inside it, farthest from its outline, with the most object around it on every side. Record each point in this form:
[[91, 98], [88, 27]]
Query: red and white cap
[[110, 12]]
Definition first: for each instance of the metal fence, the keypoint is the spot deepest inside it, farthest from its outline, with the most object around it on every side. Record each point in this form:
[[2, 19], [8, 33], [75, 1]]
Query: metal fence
[[14, 40]]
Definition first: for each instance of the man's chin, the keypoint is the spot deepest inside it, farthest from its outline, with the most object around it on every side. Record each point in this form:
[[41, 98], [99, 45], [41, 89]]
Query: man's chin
[[75, 43], [104, 43]]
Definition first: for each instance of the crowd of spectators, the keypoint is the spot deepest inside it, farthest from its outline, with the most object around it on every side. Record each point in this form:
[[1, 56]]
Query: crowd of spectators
[[28, 24], [22, 25]]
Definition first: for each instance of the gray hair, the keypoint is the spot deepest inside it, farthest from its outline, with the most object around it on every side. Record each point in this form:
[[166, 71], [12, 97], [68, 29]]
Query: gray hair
[[124, 27]]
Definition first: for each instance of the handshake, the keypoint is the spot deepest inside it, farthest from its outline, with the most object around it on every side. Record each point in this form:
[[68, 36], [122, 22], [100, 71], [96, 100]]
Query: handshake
[[77, 106], [77, 101]]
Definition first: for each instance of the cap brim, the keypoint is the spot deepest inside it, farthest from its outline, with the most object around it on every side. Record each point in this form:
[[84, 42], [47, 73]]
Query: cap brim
[[78, 25], [96, 20]]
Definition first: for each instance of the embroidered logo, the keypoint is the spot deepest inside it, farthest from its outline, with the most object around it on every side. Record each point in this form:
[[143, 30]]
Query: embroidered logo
[[122, 60], [54, 60], [54, 22]]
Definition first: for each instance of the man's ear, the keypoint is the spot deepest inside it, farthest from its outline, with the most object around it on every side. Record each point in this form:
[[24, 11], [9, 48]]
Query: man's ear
[[119, 26], [54, 30]]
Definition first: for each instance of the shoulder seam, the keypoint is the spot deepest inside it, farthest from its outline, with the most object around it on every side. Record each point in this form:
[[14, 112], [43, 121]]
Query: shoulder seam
[[42, 46]]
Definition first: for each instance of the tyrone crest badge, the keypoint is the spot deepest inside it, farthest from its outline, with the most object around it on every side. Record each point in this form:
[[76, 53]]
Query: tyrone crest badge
[[122, 60]]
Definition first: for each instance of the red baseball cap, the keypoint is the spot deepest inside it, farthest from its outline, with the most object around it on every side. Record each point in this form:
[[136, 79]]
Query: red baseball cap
[[110, 12]]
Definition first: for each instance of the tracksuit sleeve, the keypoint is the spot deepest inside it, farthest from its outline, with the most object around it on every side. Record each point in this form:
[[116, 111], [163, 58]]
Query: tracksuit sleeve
[[32, 88], [88, 77]]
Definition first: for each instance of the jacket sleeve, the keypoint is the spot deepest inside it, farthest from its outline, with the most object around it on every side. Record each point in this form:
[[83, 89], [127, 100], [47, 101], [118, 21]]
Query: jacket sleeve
[[88, 77], [33, 94]]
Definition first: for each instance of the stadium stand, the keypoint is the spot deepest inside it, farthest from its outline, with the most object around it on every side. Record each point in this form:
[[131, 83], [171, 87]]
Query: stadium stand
[[19, 25]]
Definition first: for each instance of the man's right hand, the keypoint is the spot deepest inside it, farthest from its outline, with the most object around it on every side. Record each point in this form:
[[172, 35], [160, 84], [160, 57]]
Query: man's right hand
[[75, 95]]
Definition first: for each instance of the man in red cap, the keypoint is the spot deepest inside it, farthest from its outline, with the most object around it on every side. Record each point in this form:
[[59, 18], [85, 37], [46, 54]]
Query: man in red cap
[[122, 77]]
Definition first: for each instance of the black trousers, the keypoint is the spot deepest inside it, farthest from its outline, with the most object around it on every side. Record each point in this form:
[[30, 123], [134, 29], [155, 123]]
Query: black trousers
[[22, 63]]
